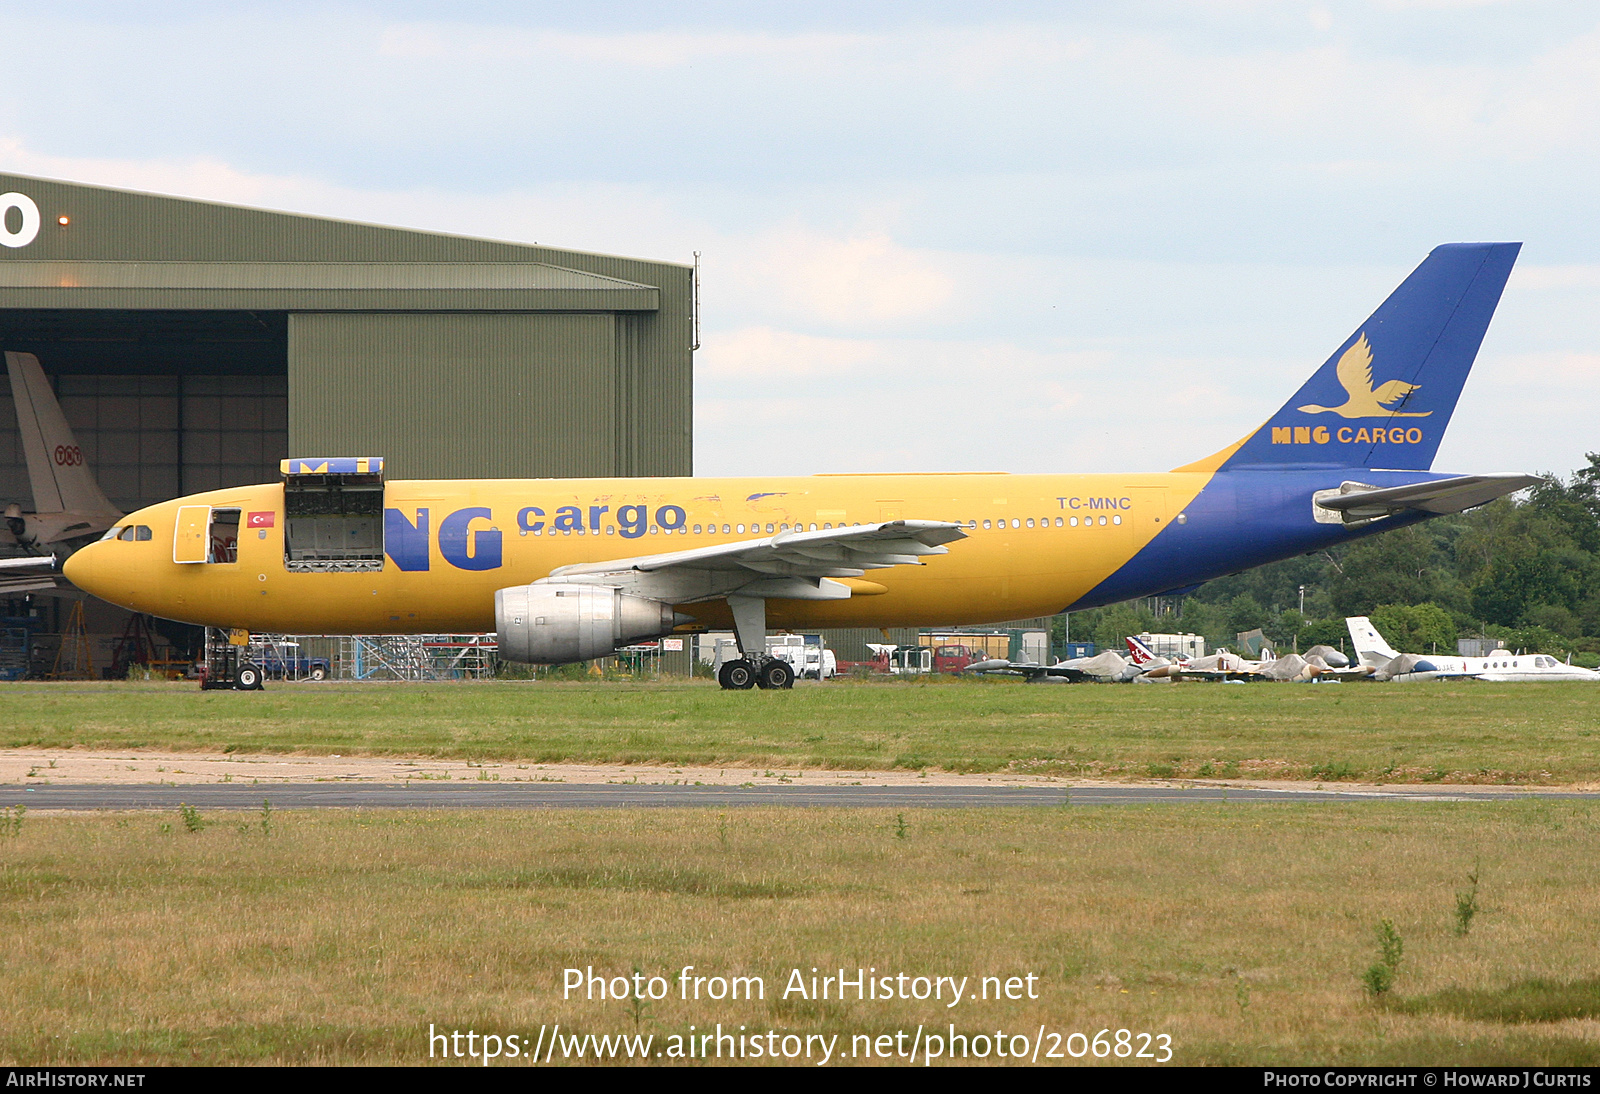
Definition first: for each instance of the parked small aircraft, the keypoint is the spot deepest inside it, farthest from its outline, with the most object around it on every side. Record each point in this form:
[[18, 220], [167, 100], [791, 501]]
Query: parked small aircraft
[[1105, 667], [1501, 667], [1319, 663]]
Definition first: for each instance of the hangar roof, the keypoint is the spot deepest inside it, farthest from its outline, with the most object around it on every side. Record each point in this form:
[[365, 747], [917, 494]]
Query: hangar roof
[[290, 286], [95, 247]]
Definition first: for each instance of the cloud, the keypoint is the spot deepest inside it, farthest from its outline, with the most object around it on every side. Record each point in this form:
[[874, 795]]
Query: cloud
[[859, 278], [1542, 278], [649, 50], [770, 401], [1095, 241]]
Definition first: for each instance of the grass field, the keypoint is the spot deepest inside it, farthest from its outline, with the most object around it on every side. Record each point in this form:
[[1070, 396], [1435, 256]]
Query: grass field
[[1463, 732], [1242, 931]]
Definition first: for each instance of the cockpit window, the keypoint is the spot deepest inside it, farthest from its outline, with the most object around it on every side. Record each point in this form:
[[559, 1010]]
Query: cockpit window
[[112, 533], [142, 533]]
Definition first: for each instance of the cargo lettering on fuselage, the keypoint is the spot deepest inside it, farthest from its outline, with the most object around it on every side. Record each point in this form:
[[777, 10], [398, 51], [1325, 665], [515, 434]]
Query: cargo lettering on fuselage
[[469, 540]]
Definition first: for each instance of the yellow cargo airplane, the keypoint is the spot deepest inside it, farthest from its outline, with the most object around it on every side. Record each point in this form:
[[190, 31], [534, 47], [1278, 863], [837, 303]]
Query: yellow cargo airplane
[[570, 569]]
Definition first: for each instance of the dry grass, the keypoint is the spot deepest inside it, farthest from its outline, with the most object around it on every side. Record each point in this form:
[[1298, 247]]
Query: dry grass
[[1241, 930], [1463, 732]]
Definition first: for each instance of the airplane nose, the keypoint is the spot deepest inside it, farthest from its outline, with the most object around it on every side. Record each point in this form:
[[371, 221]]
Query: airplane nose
[[79, 569]]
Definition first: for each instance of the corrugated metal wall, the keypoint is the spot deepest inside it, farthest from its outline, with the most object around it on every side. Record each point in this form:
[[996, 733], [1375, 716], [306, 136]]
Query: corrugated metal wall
[[644, 371], [456, 396], [151, 438]]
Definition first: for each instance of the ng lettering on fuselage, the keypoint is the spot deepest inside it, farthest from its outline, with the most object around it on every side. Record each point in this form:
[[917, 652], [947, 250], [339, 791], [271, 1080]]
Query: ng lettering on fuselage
[[469, 539]]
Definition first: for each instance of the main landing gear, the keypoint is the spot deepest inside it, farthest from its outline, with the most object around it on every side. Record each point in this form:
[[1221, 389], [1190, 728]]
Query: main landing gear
[[756, 668], [770, 673]]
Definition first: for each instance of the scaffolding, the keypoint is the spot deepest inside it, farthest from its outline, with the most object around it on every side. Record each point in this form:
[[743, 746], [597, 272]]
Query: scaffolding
[[16, 646], [374, 657], [73, 658], [416, 656]]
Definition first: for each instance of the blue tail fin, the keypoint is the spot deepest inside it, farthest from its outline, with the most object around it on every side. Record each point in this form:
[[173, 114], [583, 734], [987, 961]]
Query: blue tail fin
[[1384, 398]]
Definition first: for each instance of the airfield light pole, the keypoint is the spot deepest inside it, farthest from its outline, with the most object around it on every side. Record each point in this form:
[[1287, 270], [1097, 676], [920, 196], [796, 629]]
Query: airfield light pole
[[1302, 600]]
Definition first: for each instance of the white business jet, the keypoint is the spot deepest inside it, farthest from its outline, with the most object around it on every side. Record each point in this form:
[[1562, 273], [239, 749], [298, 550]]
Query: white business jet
[[1500, 667]]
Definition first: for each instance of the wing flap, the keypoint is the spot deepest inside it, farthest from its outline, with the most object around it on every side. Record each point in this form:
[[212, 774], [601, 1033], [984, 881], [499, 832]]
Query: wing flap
[[790, 565]]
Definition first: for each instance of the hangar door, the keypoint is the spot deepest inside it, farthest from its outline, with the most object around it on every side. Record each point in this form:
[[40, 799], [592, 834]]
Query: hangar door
[[161, 403], [458, 395]]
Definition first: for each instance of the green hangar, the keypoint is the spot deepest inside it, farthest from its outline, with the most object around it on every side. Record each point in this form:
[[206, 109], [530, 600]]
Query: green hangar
[[193, 345]]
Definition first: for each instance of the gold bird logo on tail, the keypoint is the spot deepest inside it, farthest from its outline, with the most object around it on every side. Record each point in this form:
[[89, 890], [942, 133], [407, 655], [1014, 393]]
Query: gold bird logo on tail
[[1365, 401]]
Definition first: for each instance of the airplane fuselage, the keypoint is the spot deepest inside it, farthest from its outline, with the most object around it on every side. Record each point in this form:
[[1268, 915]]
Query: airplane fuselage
[[1036, 544], [1502, 668]]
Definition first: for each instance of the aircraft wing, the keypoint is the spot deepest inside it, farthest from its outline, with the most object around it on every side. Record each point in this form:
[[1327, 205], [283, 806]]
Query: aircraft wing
[[20, 586], [15, 580], [1357, 672], [1441, 496], [1031, 671], [790, 565]]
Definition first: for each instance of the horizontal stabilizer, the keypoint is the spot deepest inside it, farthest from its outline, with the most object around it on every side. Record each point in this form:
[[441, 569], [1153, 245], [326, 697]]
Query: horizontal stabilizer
[[1356, 502], [33, 562], [21, 586]]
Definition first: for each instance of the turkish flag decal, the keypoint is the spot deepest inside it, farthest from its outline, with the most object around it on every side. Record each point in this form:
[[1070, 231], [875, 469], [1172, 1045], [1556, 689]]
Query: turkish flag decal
[[261, 520]]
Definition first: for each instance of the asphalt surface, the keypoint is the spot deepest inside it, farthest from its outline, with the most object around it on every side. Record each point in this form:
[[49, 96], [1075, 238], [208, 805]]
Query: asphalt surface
[[627, 795]]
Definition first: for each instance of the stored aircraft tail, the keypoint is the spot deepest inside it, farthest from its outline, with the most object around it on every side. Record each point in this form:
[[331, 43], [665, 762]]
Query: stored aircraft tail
[[1371, 649], [1142, 654], [1384, 398], [57, 471]]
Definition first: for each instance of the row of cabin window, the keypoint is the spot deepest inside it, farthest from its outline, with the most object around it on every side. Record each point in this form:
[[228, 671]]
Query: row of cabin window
[[755, 529], [142, 532], [1538, 663], [709, 530], [1044, 522]]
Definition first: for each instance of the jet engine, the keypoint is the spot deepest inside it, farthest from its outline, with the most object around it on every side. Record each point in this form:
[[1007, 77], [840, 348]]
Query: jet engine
[[559, 624]]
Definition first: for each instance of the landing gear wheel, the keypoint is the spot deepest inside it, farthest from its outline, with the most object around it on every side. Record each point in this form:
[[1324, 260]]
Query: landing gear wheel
[[775, 675], [738, 675], [248, 678]]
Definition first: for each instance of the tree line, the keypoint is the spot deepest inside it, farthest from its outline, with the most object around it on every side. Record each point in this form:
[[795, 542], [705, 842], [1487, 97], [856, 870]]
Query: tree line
[[1523, 569]]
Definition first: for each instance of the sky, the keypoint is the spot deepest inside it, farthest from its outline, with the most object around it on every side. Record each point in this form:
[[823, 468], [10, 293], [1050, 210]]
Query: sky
[[1008, 236]]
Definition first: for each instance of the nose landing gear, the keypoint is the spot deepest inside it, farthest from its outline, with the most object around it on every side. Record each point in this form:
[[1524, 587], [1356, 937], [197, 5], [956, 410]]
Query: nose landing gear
[[226, 665]]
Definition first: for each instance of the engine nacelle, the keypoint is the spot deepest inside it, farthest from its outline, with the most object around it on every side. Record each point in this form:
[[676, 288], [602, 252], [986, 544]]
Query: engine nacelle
[[559, 624]]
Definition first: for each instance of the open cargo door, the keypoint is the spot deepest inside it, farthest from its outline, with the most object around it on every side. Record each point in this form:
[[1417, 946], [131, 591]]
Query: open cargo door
[[333, 514]]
